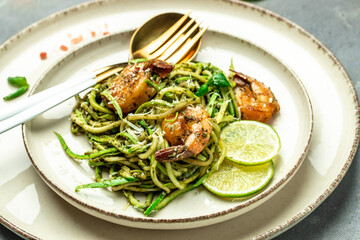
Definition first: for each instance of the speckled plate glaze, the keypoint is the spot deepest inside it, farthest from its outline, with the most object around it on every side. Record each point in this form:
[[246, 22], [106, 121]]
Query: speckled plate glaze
[[195, 208], [32, 210]]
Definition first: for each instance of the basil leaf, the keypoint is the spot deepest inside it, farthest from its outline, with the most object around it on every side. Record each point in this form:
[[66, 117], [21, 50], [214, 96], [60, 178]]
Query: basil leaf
[[218, 80], [204, 89]]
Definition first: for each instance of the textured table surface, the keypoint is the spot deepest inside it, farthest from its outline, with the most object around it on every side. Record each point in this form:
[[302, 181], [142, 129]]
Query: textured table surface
[[336, 23]]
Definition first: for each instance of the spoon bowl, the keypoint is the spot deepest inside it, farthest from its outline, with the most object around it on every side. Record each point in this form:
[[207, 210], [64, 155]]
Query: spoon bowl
[[153, 29]]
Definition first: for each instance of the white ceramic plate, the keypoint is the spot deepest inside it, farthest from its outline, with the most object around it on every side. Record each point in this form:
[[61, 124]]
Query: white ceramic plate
[[31, 209], [196, 208]]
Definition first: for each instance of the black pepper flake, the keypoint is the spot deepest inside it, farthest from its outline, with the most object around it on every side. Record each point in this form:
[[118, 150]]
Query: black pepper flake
[[204, 135]]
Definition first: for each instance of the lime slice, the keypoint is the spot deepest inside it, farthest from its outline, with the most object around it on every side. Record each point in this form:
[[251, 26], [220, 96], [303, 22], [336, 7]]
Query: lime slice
[[235, 180], [250, 142]]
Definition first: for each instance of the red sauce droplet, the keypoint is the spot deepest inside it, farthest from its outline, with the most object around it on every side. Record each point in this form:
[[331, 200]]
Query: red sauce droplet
[[77, 40], [63, 47], [43, 55]]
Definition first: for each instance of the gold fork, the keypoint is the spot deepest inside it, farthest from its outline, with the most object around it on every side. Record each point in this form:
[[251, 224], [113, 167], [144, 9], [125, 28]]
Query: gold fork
[[175, 44]]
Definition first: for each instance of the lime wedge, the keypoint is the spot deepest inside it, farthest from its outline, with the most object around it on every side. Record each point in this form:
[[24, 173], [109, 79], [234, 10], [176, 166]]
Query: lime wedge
[[233, 180], [250, 142]]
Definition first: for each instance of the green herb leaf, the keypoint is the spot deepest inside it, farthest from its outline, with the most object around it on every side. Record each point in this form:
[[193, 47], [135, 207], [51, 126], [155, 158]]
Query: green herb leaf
[[17, 81], [219, 80], [204, 89], [17, 93]]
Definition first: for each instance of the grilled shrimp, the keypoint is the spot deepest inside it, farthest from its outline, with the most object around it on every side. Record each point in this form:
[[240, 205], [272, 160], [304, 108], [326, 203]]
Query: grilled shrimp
[[256, 101], [130, 89], [188, 134]]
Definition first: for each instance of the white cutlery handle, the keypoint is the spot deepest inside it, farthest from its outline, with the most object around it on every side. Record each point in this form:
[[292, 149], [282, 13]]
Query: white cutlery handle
[[40, 102]]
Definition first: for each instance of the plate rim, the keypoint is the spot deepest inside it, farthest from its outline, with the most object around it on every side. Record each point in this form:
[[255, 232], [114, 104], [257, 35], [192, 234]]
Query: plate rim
[[311, 204]]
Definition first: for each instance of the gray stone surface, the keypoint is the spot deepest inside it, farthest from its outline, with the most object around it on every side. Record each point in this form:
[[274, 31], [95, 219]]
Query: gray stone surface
[[336, 23]]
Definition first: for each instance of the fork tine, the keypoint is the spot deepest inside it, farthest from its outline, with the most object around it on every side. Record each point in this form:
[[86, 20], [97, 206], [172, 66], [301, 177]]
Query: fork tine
[[178, 42], [157, 43], [161, 50], [180, 54]]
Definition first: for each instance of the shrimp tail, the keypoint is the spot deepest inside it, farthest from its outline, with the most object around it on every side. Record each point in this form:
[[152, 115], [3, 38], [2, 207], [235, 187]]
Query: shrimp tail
[[241, 79], [161, 68], [173, 153]]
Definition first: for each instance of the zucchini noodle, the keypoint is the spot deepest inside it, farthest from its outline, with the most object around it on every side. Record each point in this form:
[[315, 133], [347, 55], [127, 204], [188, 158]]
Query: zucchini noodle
[[124, 145]]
